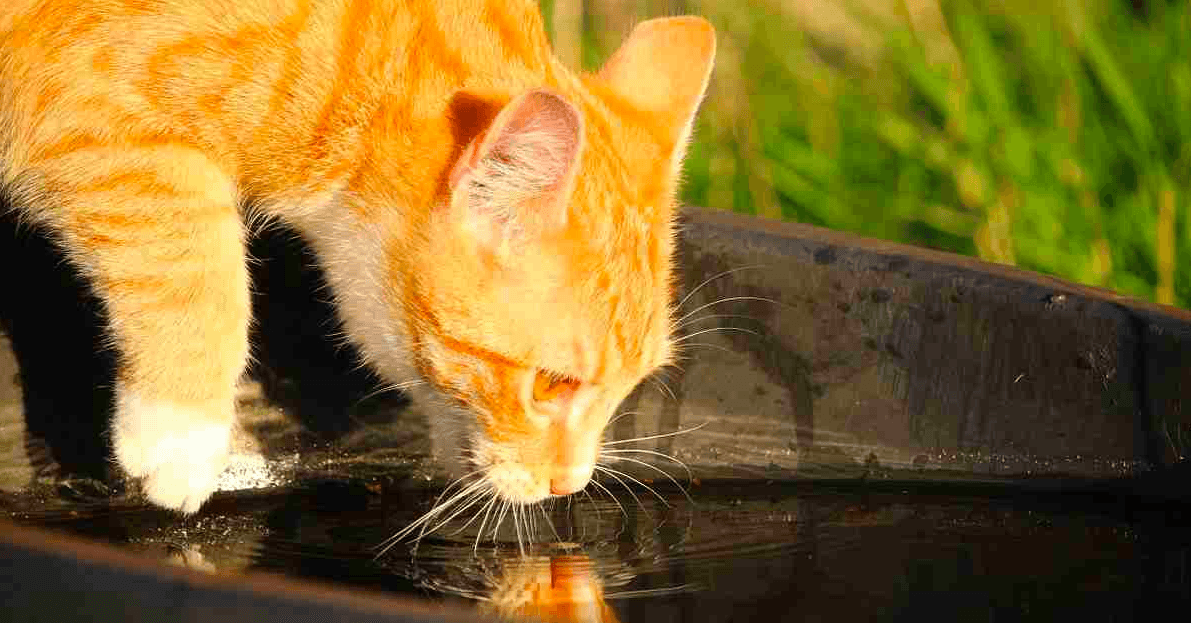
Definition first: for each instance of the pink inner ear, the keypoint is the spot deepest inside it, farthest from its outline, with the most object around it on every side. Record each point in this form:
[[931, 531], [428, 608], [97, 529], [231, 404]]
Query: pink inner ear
[[518, 177], [466, 161]]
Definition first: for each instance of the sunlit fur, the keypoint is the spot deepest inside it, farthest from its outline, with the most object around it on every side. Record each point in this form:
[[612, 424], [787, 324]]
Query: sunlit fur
[[481, 211]]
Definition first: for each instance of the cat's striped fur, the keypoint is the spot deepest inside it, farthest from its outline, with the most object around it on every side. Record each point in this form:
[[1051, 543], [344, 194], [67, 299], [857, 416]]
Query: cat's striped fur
[[488, 219]]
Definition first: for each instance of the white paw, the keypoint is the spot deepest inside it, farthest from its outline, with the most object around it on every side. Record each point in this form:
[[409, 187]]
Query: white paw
[[179, 450]]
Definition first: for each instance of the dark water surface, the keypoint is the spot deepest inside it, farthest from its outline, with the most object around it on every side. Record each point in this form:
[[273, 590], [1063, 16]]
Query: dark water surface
[[741, 551]]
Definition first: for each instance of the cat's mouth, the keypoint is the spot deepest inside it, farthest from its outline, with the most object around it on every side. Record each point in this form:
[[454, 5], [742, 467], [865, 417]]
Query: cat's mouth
[[524, 485]]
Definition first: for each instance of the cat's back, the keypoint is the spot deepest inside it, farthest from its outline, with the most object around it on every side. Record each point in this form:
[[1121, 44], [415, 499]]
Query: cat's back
[[72, 21], [199, 70], [89, 46], [243, 74], [70, 26]]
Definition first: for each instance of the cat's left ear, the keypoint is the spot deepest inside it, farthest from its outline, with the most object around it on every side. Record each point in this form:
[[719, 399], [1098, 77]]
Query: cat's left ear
[[514, 181], [663, 69]]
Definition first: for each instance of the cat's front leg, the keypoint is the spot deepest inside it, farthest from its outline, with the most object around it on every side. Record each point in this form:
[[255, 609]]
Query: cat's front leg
[[157, 230]]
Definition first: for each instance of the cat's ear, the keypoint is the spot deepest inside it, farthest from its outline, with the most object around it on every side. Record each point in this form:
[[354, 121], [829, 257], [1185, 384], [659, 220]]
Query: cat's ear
[[663, 69], [515, 180]]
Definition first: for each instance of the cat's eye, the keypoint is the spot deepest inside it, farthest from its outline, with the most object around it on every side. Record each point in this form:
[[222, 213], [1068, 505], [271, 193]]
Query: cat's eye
[[550, 386]]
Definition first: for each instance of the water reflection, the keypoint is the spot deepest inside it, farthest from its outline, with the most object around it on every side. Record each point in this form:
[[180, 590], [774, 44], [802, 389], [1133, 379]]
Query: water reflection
[[560, 588], [190, 557], [741, 550], [594, 559], [569, 564]]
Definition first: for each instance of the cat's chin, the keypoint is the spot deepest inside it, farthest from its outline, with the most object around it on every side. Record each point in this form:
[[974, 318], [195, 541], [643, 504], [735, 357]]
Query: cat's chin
[[514, 483]]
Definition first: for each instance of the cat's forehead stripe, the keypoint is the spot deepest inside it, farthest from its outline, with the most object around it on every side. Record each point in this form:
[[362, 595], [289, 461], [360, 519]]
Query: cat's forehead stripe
[[426, 313], [512, 36], [479, 352]]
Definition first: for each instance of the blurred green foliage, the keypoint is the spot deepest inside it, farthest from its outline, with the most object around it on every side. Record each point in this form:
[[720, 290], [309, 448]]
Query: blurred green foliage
[[1050, 134]]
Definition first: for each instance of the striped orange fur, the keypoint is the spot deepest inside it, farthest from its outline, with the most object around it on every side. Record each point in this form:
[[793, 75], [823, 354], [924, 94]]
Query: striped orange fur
[[484, 215]]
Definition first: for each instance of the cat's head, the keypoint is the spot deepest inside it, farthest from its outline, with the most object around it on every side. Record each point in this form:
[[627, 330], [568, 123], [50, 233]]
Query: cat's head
[[545, 284]]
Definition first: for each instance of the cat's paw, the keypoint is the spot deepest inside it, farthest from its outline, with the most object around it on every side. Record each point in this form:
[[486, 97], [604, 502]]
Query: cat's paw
[[177, 450]]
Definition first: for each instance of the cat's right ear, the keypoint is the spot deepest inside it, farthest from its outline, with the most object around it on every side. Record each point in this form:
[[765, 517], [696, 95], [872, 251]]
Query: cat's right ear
[[514, 180]]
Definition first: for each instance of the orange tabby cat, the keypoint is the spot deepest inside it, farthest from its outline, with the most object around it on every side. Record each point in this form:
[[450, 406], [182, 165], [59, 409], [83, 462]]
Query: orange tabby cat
[[488, 220]]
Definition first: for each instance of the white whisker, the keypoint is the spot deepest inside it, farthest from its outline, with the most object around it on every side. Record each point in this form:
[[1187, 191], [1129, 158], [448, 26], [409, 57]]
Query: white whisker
[[422, 522], [660, 471], [650, 452], [476, 496], [613, 420], [549, 522], [658, 436], [713, 278], [730, 299], [599, 514], [390, 387], [713, 316], [705, 344], [517, 529], [525, 529], [613, 473], [609, 494], [467, 493], [525, 526], [455, 483], [675, 365], [648, 488], [480, 531], [662, 386], [489, 493], [713, 330], [665, 374], [504, 509]]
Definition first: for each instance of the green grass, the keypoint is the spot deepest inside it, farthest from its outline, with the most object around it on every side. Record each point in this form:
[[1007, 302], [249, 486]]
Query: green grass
[[1050, 134]]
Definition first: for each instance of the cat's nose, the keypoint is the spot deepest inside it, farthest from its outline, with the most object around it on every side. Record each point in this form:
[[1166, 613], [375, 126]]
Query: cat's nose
[[566, 486], [570, 480]]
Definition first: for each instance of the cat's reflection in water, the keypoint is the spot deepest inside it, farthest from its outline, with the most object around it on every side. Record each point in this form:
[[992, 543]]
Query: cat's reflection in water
[[550, 589], [595, 556], [205, 551], [566, 587], [190, 558], [553, 589]]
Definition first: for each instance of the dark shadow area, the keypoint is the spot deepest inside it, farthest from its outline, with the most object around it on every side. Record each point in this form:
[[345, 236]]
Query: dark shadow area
[[67, 369], [66, 373], [302, 363]]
